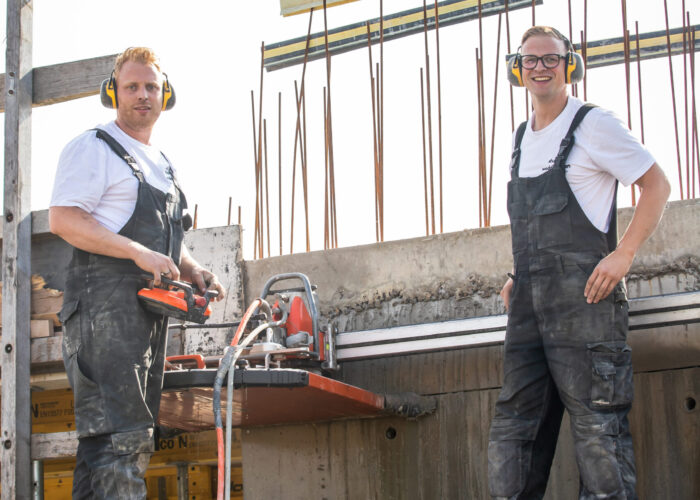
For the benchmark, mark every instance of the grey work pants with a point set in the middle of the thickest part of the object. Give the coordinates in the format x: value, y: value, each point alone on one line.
x: 561, y: 352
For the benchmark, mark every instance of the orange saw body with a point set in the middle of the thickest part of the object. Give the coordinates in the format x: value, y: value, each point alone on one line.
x: 180, y: 302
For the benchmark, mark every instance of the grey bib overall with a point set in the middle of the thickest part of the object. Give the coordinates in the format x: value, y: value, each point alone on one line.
x: 560, y: 352
x: 114, y: 350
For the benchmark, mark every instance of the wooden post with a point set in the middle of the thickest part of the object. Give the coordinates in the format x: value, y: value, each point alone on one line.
x: 16, y: 252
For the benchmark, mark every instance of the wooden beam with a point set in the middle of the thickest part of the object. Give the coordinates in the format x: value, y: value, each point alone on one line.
x: 66, y: 81
x: 408, y: 22
x: 54, y: 445
x: 15, y: 476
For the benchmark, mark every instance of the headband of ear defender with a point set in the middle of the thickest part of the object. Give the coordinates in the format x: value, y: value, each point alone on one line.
x: 108, y: 93
x: 573, y: 71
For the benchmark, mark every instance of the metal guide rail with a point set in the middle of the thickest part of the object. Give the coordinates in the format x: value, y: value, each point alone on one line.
x: 644, y: 313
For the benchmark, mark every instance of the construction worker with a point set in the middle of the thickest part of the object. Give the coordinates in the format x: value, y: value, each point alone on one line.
x: 567, y: 307
x: 117, y: 202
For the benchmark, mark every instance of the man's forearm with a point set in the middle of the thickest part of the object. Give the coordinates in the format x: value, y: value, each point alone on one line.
x: 655, y: 190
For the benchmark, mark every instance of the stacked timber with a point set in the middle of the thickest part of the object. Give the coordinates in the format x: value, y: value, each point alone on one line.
x: 46, y: 304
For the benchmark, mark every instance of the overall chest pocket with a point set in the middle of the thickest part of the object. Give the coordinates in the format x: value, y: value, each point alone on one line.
x: 553, y: 220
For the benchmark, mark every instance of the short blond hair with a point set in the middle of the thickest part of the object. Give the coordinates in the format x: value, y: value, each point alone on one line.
x: 143, y: 55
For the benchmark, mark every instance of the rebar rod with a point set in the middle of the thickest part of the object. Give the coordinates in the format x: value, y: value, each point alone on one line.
x: 493, y: 124
x: 228, y: 220
x: 267, y: 192
x: 439, y: 96
x: 685, y: 101
x: 381, y: 120
x: 430, y: 123
x: 297, y: 130
x: 374, y: 136
x: 260, y: 140
x: 673, y: 97
x: 510, y: 87
x: 304, y: 172
x: 279, y: 163
x: 326, y: 218
x: 257, y: 179
x: 425, y: 162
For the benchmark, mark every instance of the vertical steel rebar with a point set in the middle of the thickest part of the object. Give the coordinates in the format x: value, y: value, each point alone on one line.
x: 574, y: 87
x: 304, y: 172
x: 381, y: 120
x: 326, y: 218
x: 257, y: 179
x: 510, y: 87
x: 196, y: 213
x: 228, y: 220
x: 267, y: 185
x: 480, y: 131
x: 260, y: 120
x: 685, y: 103
x: 430, y: 123
x: 533, y: 22
x: 694, y: 135
x: 439, y: 96
x: 493, y: 124
x: 425, y: 163
x: 279, y: 163
x: 673, y: 97
x: 641, y: 105
x: 375, y: 143
x: 330, y: 128
x: 297, y: 130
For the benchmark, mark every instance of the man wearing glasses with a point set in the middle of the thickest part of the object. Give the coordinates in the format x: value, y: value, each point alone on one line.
x: 565, y: 341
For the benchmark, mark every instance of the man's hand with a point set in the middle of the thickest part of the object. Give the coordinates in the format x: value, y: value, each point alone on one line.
x: 606, y: 275
x: 505, y: 292
x: 205, y: 280
x: 155, y: 263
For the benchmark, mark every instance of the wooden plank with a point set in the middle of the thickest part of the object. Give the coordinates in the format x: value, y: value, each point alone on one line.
x: 53, y: 445
x: 66, y: 81
x: 41, y: 328
x: 46, y: 351
x: 354, y: 36
x: 16, y: 254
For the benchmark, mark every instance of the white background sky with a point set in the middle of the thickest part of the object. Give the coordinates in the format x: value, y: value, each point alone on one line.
x: 211, y: 52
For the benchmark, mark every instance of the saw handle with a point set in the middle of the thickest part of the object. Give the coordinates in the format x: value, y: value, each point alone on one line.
x: 190, y: 296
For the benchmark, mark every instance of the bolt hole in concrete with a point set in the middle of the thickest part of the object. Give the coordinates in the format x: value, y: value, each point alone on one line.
x: 690, y: 404
x: 390, y: 433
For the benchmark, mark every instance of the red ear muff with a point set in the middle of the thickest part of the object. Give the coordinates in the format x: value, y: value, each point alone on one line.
x: 514, y: 70
x: 574, y: 67
x: 108, y: 92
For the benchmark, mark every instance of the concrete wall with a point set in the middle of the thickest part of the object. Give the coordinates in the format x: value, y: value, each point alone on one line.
x: 458, y: 275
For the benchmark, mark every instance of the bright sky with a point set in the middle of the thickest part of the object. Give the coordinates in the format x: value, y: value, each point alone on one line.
x: 211, y: 52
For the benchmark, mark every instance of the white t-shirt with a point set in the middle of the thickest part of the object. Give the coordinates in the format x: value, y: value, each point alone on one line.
x: 91, y: 176
x: 604, y: 150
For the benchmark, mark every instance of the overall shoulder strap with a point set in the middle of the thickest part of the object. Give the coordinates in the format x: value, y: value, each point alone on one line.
x: 515, y: 157
x: 120, y: 152
x: 568, y: 141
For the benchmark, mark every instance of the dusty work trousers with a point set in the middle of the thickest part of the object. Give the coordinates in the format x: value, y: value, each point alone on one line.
x: 561, y: 352
x: 114, y: 354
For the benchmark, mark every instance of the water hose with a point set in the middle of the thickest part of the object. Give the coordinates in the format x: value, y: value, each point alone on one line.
x: 229, y: 360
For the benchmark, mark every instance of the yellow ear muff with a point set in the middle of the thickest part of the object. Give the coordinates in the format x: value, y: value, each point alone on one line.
x: 514, y: 71
x: 574, y: 68
x: 108, y: 93
x: 168, y: 95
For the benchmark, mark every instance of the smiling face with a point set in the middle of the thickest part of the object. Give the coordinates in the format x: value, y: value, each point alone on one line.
x: 543, y: 83
x: 140, y: 97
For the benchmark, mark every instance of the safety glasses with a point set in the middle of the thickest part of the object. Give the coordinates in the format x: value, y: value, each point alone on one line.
x: 549, y: 61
